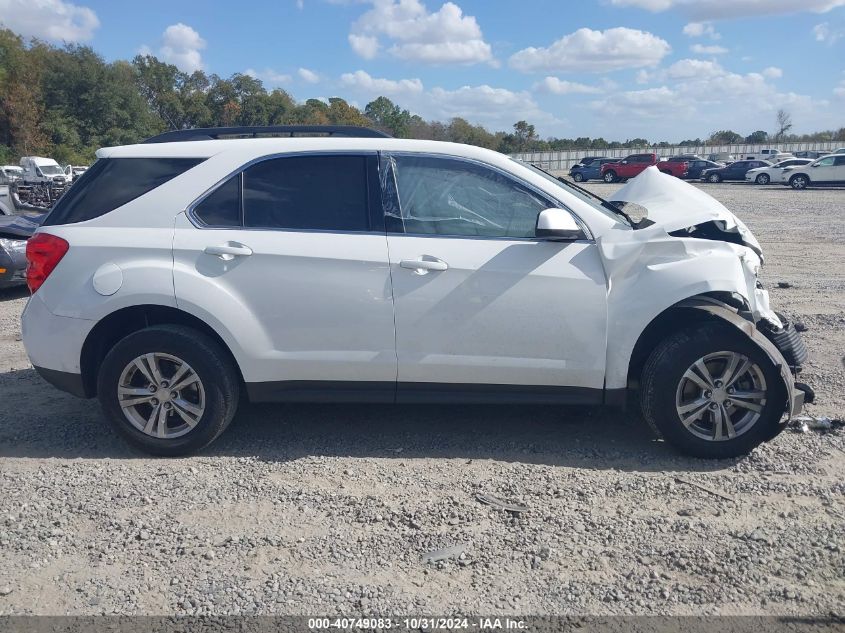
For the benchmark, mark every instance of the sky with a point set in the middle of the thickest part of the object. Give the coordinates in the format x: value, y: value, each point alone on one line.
x: 617, y: 69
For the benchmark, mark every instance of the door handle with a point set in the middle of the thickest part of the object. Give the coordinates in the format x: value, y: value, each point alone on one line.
x: 228, y: 251
x: 424, y: 264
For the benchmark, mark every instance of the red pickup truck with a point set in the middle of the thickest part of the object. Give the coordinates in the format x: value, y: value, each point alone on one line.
x: 634, y: 164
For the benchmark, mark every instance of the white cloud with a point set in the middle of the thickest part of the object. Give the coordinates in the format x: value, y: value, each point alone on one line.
x: 700, y: 49
x: 772, y: 72
x: 49, y: 19
x: 825, y: 34
x: 443, y: 37
x: 700, y: 29
x: 556, y: 86
x: 839, y: 91
x: 269, y: 77
x: 720, y: 9
x: 364, y: 82
x: 308, y: 76
x: 181, y: 45
x: 587, y: 50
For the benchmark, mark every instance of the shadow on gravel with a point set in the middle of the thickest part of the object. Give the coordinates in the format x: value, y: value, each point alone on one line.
x: 16, y: 292
x: 38, y: 421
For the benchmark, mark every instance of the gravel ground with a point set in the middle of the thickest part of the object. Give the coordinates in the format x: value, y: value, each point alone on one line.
x: 315, y: 509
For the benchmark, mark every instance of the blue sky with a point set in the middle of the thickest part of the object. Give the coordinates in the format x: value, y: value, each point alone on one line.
x: 661, y: 69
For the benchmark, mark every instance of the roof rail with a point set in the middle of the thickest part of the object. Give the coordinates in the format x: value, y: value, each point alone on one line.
x: 210, y: 133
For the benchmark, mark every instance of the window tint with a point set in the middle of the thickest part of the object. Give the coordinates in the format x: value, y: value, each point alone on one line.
x: 307, y: 192
x: 840, y: 161
x: 441, y: 196
x: 112, y: 182
x: 222, y: 207
x: 826, y: 162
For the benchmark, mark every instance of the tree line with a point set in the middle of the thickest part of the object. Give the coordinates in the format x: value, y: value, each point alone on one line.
x: 67, y: 101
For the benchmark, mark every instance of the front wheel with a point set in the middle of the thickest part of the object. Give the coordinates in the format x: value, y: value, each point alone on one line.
x: 578, y: 177
x: 799, y: 181
x: 763, y: 179
x: 714, y: 178
x: 168, y: 389
x: 711, y: 392
x: 609, y: 176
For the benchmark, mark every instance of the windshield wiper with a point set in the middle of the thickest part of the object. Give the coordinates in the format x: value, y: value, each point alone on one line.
x: 604, y: 203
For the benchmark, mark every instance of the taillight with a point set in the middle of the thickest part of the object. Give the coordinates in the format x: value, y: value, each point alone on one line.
x: 43, y: 254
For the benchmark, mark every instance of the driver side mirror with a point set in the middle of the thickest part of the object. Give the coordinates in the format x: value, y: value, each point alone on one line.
x: 558, y: 225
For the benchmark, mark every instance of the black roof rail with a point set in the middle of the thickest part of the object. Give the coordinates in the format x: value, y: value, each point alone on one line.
x: 210, y: 133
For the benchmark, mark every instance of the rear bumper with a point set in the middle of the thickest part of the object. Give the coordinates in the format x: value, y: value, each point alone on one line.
x: 53, y: 343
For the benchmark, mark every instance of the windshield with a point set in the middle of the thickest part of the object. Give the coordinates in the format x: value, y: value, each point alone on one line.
x: 599, y: 204
x: 50, y: 170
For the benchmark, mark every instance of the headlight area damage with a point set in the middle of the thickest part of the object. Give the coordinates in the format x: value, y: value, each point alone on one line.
x: 689, y: 253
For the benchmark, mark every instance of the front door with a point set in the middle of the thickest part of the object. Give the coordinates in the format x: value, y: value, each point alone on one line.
x: 288, y: 258
x: 483, y: 307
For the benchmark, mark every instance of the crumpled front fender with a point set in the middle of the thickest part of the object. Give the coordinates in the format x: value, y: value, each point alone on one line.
x: 795, y: 397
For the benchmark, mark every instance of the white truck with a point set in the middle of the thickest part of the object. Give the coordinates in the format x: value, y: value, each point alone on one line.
x: 37, y: 169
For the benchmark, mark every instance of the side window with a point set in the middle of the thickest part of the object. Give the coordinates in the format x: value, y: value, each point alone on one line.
x: 222, y: 207
x: 442, y: 196
x: 826, y: 162
x: 840, y: 161
x: 307, y: 192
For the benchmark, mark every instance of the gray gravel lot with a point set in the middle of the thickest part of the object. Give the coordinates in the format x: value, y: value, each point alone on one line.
x: 314, y: 509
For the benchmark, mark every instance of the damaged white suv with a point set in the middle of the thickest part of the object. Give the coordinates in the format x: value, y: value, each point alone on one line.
x: 181, y: 275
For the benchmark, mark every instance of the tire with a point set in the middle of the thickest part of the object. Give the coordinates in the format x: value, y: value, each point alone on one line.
x: 193, y: 416
x: 799, y: 181
x: 714, y: 178
x: 578, y: 177
x: 666, y: 393
x: 763, y: 179
x: 609, y: 176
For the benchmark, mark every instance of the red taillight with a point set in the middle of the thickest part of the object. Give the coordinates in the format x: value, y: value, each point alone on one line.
x: 43, y: 254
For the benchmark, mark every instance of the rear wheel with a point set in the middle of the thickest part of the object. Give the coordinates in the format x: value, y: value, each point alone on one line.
x: 711, y: 392
x: 609, y: 176
x: 714, y: 178
x: 799, y: 181
x: 763, y: 179
x: 168, y: 389
x: 578, y: 177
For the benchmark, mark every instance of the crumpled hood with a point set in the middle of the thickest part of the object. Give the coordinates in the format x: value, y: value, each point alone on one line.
x: 674, y: 204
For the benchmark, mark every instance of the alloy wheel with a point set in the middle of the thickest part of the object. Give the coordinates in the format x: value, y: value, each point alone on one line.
x: 161, y: 395
x: 721, y: 396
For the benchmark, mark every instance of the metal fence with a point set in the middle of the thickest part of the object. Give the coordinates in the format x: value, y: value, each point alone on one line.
x: 561, y: 161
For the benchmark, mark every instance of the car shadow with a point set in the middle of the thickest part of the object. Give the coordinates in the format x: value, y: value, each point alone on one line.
x: 38, y: 421
x: 15, y: 292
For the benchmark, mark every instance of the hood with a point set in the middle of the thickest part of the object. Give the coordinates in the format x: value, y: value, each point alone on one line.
x: 20, y: 226
x: 675, y: 205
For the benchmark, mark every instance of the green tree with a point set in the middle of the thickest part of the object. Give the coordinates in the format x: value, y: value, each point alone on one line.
x: 725, y: 137
x: 757, y: 137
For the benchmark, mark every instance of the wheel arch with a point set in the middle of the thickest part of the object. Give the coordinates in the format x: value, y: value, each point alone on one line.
x: 120, y: 323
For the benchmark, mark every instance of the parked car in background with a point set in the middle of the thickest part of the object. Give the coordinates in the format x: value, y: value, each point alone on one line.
x: 37, y: 169
x: 10, y: 174
x: 15, y: 230
x: 841, y: 150
x: 583, y: 173
x: 185, y: 273
x: 733, y: 171
x: 589, y: 159
x: 808, y: 153
x: 635, y: 164
x: 721, y: 157
x: 695, y: 167
x: 773, y: 173
x: 828, y: 170
x: 74, y: 171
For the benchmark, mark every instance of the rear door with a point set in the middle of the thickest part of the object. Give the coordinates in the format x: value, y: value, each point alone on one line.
x: 483, y: 308
x: 289, y: 257
x: 839, y: 169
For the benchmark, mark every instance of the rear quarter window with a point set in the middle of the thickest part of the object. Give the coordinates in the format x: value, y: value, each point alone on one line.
x: 112, y: 182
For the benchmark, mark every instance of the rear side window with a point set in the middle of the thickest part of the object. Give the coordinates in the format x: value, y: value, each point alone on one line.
x: 112, y: 182
x: 222, y: 207
x: 307, y: 192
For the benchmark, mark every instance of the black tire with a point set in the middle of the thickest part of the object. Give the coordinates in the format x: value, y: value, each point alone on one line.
x: 799, y: 182
x: 664, y: 372
x: 714, y: 178
x: 609, y: 176
x: 763, y: 179
x: 209, y: 362
x: 578, y: 177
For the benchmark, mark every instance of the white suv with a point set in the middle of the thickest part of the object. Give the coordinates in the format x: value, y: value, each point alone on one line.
x: 185, y: 273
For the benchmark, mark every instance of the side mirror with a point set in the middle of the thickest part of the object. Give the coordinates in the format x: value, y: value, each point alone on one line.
x: 558, y: 225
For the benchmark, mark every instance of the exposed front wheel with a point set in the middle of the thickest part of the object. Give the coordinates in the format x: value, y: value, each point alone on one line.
x: 714, y: 178
x: 578, y: 177
x: 799, y: 182
x: 168, y: 389
x: 609, y: 176
x: 763, y: 179
x: 711, y: 392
